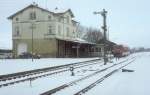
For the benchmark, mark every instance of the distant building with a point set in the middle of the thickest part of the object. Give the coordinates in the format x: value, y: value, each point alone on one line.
x: 5, y: 53
x: 49, y: 34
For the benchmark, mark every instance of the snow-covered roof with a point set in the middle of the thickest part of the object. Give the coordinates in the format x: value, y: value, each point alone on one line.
x: 58, y: 10
x: 76, y: 40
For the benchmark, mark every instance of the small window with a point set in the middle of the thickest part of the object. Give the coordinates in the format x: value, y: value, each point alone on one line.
x: 17, y: 19
x: 68, y: 19
x: 73, y: 33
x: 59, y: 19
x: 67, y: 31
x: 99, y: 49
x: 49, y: 29
x: 92, y: 49
x: 59, y: 29
x: 49, y: 17
x: 17, y: 32
x: 96, y: 49
x: 32, y: 16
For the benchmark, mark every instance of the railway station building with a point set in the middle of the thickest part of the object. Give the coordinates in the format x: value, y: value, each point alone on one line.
x: 47, y: 33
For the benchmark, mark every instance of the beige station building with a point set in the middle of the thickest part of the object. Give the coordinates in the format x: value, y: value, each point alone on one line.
x: 47, y: 33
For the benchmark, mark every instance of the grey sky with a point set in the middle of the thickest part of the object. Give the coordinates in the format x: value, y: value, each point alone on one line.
x: 128, y: 20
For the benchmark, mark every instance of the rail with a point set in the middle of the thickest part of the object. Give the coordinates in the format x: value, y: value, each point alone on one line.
x: 52, y: 91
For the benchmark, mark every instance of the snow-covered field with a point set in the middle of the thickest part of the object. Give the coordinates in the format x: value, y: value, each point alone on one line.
x: 121, y: 83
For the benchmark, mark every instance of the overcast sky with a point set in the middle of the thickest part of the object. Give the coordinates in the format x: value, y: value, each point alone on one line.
x: 128, y: 20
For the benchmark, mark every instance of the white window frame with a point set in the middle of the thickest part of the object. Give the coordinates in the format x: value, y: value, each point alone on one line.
x: 17, y: 31
x: 68, y: 19
x: 32, y: 15
x: 68, y: 30
x: 59, y: 29
x: 49, y: 17
x: 50, y: 29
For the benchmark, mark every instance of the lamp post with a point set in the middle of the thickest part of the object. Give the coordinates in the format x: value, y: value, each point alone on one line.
x: 104, y: 27
x: 32, y: 41
x: 32, y: 17
x: 32, y: 29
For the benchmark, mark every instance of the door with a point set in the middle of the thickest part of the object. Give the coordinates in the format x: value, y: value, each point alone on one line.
x: 22, y: 47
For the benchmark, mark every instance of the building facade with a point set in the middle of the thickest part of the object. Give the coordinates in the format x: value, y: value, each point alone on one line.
x: 50, y: 34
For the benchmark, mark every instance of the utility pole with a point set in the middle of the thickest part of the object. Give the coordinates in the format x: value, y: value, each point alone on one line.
x: 104, y: 27
x: 32, y: 27
x: 33, y: 17
x: 32, y: 30
x: 32, y: 40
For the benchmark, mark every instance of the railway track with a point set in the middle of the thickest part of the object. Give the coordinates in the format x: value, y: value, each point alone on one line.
x: 52, y: 91
x: 49, y: 71
x: 38, y: 71
x: 86, y: 89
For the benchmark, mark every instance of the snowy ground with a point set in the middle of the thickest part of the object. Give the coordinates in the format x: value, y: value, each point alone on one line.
x: 8, y: 66
x: 135, y: 83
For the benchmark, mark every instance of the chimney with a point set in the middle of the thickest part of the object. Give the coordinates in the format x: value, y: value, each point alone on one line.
x: 56, y: 8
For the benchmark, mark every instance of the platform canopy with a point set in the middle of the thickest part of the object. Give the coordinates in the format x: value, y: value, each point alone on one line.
x: 76, y: 40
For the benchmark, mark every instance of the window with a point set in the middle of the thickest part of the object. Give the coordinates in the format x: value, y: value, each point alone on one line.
x: 17, y: 32
x: 49, y: 17
x: 59, y: 29
x: 73, y: 33
x: 92, y: 49
x: 17, y: 19
x: 68, y: 19
x: 96, y: 49
x: 100, y: 50
x: 59, y: 19
x: 67, y: 31
x: 49, y: 29
x: 32, y: 16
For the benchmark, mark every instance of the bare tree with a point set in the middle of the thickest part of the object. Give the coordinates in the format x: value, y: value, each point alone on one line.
x: 81, y: 31
x: 93, y: 35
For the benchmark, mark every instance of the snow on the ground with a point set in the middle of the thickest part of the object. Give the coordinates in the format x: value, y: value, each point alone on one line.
x: 43, y: 84
x: 8, y: 66
x: 127, y: 83
x: 46, y: 83
x: 135, y: 83
x: 79, y: 86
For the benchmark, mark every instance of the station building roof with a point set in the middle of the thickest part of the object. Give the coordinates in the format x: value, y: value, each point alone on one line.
x: 76, y: 40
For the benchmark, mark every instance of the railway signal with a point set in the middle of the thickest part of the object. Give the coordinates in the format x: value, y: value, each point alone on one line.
x: 104, y: 27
